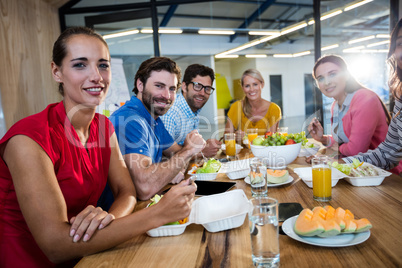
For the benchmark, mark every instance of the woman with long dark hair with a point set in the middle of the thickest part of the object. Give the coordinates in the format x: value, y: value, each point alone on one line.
x: 389, y: 153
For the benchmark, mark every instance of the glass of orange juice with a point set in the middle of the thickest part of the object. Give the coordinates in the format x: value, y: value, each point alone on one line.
x: 322, y: 178
x: 283, y: 130
x: 230, y: 144
x: 252, y: 133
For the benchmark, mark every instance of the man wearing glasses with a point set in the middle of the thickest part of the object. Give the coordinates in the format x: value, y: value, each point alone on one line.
x: 183, y: 116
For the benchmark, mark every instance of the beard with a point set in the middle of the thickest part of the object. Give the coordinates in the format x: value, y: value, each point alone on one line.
x: 194, y: 106
x: 148, y: 99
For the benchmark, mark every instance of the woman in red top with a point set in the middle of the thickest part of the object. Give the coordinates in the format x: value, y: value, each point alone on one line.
x: 55, y: 164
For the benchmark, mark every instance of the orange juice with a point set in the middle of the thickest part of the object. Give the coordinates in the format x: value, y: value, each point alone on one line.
x: 230, y: 147
x: 322, y: 183
x: 251, y: 137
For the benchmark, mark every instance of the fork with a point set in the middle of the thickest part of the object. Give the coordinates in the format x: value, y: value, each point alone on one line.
x: 205, y: 159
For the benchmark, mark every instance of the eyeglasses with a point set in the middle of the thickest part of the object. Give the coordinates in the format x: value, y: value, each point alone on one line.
x: 198, y: 87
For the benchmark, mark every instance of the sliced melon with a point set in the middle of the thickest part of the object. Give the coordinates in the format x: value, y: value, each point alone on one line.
x: 277, y: 175
x: 319, y: 213
x: 339, y: 216
x: 349, y: 215
x: 331, y: 228
x: 350, y: 226
x: 327, y: 221
x: 305, y: 226
x: 362, y: 225
x: 256, y: 177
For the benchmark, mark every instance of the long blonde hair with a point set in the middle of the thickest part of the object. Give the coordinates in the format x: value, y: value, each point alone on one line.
x: 257, y: 75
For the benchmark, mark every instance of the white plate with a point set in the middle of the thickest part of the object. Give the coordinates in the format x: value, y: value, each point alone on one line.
x: 289, y: 180
x: 341, y: 240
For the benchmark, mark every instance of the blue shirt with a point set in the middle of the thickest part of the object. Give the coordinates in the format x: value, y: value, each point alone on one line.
x: 138, y: 132
x: 180, y: 119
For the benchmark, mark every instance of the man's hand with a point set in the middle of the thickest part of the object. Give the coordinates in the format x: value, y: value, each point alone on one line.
x: 179, y: 177
x: 194, y: 142
x: 211, y: 148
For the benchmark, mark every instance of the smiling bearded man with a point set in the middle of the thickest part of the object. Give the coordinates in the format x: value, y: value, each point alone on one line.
x: 142, y: 136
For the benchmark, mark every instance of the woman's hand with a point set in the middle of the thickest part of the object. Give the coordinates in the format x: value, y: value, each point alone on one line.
x: 88, y: 221
x: 177, y: 201
x: 316, y: 130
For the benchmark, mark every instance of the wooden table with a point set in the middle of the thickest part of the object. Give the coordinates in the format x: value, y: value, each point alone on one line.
x: 196, y: 247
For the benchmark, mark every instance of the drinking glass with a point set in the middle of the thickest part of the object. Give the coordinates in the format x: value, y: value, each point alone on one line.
x: 252, y: 133
x: 258, y: 178
x: 230, y: 144
x: 283, y: 130
x: 263, y: 223
x: 322, y: 178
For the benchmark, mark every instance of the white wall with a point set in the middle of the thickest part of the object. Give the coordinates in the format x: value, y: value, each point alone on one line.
x: 292, y: 71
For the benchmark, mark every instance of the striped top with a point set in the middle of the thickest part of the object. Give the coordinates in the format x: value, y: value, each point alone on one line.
x: 388, y: 154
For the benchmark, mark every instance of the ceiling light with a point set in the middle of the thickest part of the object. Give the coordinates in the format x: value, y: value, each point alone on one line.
x: 371, y: 51
x: 264, y: 39
x: 311, y: 22
x: 225, y: 32
x: 283, y: 55
x: 304, y: 53
x: 383, y: 50
x: 361, y: 39
x: 264, y: 33
x: 107, y: 36
x: 352, y: 6
x: 162, y: 30
x: 330, y: 14
x: 247, y: 45
x: 147, y: 30
x: 353, y: 49
x: 170, y: 31
x: 224, y: 56
x: 329, y: 47
x: 378, y: 43
x: 256, y: 56
x: 293, y: 28
x: 386, y: 36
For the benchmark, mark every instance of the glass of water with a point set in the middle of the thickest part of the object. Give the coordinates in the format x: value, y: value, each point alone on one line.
x: 258, y: 178
x: 263, y: 223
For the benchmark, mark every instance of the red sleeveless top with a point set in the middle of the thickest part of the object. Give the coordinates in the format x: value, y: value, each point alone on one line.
x: 81, y: 175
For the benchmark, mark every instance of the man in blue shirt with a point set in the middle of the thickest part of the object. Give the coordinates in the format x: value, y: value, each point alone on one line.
x: 183, y: 116
x: 143, y: 139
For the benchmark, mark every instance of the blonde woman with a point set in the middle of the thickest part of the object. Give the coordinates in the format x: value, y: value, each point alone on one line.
x: 253, y: 111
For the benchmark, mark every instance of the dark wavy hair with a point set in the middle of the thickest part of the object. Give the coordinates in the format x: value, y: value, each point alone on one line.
x: 352, y: 84
x: 60, y: 46
x: 156, y: 64
x: 197, y: 69
x: 395, y: 73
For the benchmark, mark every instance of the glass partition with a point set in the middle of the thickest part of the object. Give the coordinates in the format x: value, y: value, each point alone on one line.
x: 277, y: 38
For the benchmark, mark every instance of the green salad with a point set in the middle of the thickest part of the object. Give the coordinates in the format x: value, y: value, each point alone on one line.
x: 211, y: 166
